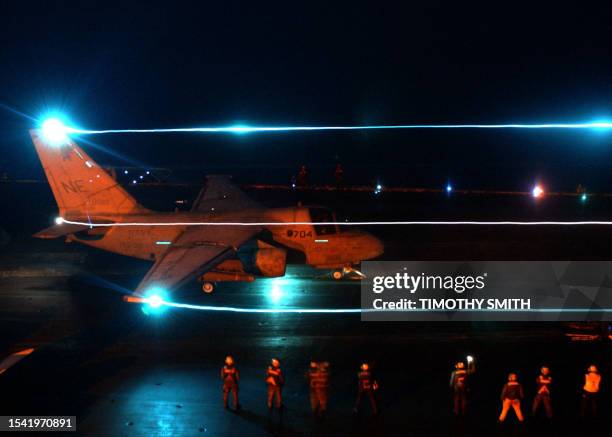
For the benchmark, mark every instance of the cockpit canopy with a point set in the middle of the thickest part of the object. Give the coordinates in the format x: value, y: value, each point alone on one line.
x: 323, y: 215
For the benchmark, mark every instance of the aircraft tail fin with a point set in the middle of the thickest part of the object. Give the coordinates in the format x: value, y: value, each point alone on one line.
x: 80, y: 186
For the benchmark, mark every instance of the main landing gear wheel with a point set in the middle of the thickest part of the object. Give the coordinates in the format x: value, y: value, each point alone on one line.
x: 337, y: 274
x: 208, y: 287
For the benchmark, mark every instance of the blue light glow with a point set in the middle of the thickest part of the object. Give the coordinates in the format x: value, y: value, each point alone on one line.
x: 449, y: 188
x: 583, y: 197
x: 243, y: 129
x: 156, y: 301
x: 54, y: 132
x: 165, y: 303
x: 276, y: 293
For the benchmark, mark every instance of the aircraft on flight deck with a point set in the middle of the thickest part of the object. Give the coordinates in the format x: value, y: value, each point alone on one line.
x: 85, y: 193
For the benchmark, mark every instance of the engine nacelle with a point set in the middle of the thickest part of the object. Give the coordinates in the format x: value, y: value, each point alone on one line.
x: 271, y: 262
x: 265, y: 260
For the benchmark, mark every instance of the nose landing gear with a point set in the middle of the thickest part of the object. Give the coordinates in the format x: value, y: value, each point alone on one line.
x: 208, y: 287
x: 348, y: 272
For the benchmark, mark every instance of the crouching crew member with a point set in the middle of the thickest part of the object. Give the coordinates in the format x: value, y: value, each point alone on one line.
x: 543, y: 382
x: 275, y: 381
x: 590, y: 392
x: 230, y: 377
x: 511, y: 396
x: 318, y: 380
x: 367, y: 386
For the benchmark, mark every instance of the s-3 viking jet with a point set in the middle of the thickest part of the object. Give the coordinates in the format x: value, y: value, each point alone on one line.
x: 85, y: 193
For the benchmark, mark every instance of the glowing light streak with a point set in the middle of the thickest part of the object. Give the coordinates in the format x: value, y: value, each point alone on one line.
x: 360, y: 223
x: 229, y: 309
x: 253, y: 129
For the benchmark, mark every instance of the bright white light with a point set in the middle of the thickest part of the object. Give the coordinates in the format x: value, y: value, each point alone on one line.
x: 59, y: 220
x: 54, y: 132
x: 469, y: 358
x: 537, y: 191
x: 276, y: 293
x: 125, y: 172
x: 155, y: 301
x: 449, y: 188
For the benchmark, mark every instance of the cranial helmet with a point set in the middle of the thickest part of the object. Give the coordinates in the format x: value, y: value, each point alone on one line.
x: 460, y: 365
x: 545, y: 370
x: 365, y: 366
x: 592, y: 368
x: 512, y: 377
x: 229, y: 360
x: 275, y: 362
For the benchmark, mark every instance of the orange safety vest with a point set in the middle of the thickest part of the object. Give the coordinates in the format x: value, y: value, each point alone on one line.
x: 229, y: 374
x: 544, y: 384
x: 591, y: 382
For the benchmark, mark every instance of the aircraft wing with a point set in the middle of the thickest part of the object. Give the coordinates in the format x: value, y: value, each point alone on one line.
x: 57, y: 231
x: 196, y: 250
x: 221, y: 195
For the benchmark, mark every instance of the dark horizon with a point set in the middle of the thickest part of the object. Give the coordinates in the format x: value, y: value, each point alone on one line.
x: 145, y: 65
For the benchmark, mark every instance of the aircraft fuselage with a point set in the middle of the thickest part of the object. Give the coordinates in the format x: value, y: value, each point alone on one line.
x: 323, y: 246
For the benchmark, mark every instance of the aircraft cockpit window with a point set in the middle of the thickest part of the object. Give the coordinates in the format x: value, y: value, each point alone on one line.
x: 319, y: 215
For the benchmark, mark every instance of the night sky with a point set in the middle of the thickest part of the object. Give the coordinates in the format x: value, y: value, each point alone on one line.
x: 172, y: 64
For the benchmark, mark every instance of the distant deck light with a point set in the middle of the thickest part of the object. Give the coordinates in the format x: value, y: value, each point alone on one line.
x: 537, y: 191
x: 59, y: 220
x: 378, y: 189
x: 449, y: 188
x: 583, y: 197
x: 125, y: 172
x: 54, y: 132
